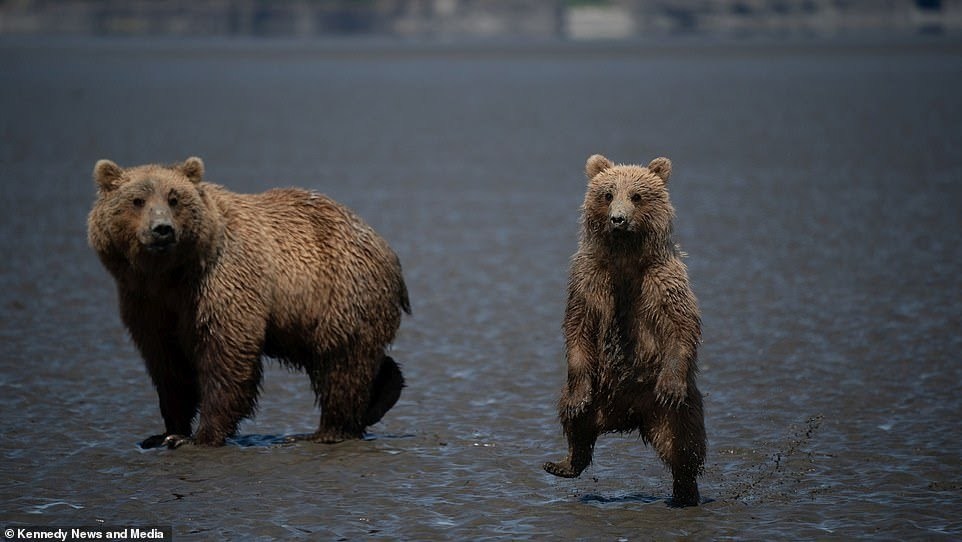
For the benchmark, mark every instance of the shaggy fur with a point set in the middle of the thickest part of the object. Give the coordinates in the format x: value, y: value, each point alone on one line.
x: 631, y: 327
x: 210, y: 281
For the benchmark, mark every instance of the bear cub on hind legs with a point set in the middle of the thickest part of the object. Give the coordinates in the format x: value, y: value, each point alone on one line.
x: 631, y: 328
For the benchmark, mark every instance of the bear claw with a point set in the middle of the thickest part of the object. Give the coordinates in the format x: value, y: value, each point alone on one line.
x: 671, y: 392
x: 165, y: 441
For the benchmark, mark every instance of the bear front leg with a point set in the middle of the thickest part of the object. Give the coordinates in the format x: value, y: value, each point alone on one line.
x: 176, y: 385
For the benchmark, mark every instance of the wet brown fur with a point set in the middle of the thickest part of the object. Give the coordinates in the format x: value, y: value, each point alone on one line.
x: 632, y: 327
x: 287, y: 273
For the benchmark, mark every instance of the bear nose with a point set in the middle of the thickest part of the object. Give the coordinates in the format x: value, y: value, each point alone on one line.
x: 163, y: 232
x: 617, y: 220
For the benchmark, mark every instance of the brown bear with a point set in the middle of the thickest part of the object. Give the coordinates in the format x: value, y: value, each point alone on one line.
x: 631, y: 327
x: 209, y: 281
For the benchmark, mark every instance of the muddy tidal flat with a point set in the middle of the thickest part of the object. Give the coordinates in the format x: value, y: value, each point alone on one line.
x: 817, y: 185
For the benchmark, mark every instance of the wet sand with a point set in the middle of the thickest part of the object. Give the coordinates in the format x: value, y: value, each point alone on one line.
x: 817, y: 187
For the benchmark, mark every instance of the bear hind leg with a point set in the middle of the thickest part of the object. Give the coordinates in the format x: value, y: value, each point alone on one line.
x: 343, y: 384
x: 678, y: 435
x: 581, y: 432
x: 230, y: 392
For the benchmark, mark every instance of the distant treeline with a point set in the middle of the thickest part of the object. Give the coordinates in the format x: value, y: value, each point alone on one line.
x: 472, y: 18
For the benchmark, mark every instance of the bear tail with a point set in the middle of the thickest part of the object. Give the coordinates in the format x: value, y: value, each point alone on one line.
x: 385, y: 390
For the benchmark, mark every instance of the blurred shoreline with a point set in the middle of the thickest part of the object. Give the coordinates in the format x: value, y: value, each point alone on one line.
x: 448, y: 20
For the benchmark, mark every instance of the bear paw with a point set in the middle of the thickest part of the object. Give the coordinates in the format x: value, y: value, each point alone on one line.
x: 153, y: 441
x: 563, y: 469
x: 671, y: 390
x: 684, y: 494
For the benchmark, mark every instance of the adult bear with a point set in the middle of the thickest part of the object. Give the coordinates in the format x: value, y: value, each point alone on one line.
x: 209, y: 281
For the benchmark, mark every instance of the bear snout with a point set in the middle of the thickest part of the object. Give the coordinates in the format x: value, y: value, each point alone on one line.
x: 162, y: 235
x: 619, y: 215
x: 618, y: 221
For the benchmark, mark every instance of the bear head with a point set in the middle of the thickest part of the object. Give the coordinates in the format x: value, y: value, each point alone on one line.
x: 627, y: 201
x: 150, y: 217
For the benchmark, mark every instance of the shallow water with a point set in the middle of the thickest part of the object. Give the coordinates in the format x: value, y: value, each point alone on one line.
x: 817, y: 188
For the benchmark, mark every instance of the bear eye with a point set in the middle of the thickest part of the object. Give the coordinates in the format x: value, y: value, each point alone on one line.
x: 138, y: 202
x: 608, y: 196
x: 635, y: 198
x: 172, y: 200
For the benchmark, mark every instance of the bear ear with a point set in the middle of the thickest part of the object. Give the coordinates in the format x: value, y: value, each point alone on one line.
x: 596, y: 164
x: 193, y: 169
x: 107, y: 175
x: 661, y: 167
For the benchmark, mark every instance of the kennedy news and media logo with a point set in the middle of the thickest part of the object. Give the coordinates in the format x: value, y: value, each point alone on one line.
x: 87, y: 533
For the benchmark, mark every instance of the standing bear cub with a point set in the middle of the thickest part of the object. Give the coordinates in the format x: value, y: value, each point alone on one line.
x: 210, y: 281
x: 631, y: 327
